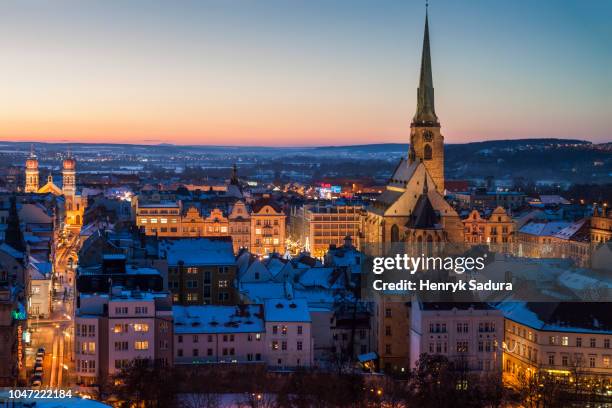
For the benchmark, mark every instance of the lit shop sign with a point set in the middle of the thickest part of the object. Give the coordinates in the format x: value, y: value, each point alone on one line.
x: 19, y: 315
x: 19, y: 347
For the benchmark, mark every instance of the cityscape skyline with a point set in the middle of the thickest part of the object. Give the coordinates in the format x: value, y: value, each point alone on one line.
x: 304, y: 74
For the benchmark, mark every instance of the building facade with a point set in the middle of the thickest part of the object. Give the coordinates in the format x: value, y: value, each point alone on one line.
x: 111, y: 330
x: 201, y: 271
x: 267, y: 227
x: 219, y: 334
x: 470, y: 335
x: 498, y: 228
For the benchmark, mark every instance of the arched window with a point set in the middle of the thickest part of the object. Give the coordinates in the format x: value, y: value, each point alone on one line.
x: 427, y: 152
x: 395, y: 233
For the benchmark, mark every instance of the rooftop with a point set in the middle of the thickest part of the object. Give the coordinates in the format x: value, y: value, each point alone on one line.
x: 283, y: 310
x: 198, y: 251
x: 218, y: 319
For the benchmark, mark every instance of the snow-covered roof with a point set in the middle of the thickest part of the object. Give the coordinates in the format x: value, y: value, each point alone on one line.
x: 197, y: 251
x: 11, y: 251
x: 284, y: 310
x: 560, y: 317
x: 321, y: 277
x: 553, y: 200
x: 218, y: 319
x: 544, y: 228
x: 569, y: 231
x: 257, y: 292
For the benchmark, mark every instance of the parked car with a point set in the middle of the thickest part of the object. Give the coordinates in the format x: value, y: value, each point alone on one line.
x: 36, y: 381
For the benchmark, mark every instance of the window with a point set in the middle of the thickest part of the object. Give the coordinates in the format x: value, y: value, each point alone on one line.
x: 387, y: 330
x: 121, y: 310
x: 388, y: 312
x: 552, y: 340
x: 223, y: 284
x: 120, y: 328
x: 119, y: 364
x: 195, y: 338
x: 564, y: 361
x: 427, y: 152
x: 564, y: 341
x: 209, y: 352
x: 141, y: 345
x: 593, y: 342
x: 606, y: 361
x: 274, y: 345
x: 284, y: 345
x: 274, y: 329
x: 284, y: 330
x: 578, y: 341
x: 140, y: 310
x: 195, y: 352
x: 387, y: 348
x: 551, y: 359
x: 121, y: 345
x: 299, y: 330
x: 606, y: 343
x: 462, y: 347
x: 299, y: 346
x: 179, y: 352
x: 192, y: 297
x: 180, y: 339
x: 592, y: 361
x: 141, y: 327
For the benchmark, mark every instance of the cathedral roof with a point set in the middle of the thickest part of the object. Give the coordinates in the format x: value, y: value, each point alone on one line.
x: 403, y: 173
x: 424, y: 216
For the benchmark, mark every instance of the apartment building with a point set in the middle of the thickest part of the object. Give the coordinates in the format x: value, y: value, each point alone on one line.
x: 319, y: 227
x: 469, y: 334
x: 557, y: 338
x: 391, y: 327
x: 267, y: 227
x: 497, y: 228
x: 113, y: 329
x: 159, y: 218
x: 201, y: 271
x: 219, y: 334
x: 240, y: 226
x: 288, y: 333
x: 173, y: 219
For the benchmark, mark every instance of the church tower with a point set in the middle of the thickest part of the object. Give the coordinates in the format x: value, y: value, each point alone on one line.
x: 31, y: 173
x: 426, y: 141
x: 69, y: 177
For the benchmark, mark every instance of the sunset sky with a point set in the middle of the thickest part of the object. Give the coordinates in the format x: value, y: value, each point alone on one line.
x: 301, y: 72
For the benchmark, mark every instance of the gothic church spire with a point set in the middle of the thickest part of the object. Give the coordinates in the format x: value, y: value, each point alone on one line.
x: 425, y: 113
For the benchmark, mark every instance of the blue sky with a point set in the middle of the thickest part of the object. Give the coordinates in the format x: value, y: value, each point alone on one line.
x: 301, y: 72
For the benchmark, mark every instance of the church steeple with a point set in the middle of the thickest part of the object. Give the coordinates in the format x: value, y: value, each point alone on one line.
x: 425, y: 112
x: 426, y: 141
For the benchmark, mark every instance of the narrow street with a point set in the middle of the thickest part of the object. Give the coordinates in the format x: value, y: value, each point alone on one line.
x: 56, y: 333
